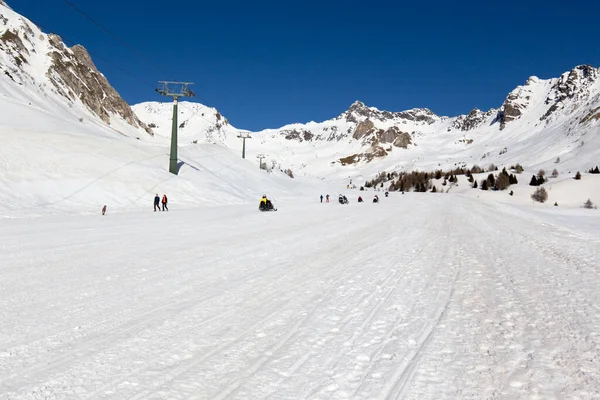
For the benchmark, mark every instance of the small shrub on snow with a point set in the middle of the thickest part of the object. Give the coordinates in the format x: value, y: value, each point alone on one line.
x: 541, y: 173
x: 289, y: 173
x: 578, y: 176
x: 434, y: 189
x: 517, y: 168
x: 491, y: 180
x: 588, y: 204
x: 540, y: 195
x: 555, y: 173
x: 511, y: 193
x: 503, y: 181
x: 536, y: 181
x: 475, y: 185
x: 476, y: 169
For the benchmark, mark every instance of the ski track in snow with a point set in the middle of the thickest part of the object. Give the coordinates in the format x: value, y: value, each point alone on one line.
x: 419, y: 297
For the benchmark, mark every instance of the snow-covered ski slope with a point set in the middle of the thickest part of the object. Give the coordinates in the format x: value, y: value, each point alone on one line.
x: 419, y: 297
x: 51, y: 163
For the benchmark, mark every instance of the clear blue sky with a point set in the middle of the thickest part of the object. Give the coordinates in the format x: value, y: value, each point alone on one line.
x: 267, y: 63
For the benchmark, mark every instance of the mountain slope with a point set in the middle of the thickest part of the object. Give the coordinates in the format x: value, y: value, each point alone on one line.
x: 38, y: 70
x: 538, y: 122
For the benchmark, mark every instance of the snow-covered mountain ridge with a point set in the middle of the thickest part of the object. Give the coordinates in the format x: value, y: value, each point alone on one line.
x: 538, y: 122
x: 40, y: 71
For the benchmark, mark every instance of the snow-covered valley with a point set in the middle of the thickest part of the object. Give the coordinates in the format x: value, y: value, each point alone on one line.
x: 459, y: 294
x: 419, y: 297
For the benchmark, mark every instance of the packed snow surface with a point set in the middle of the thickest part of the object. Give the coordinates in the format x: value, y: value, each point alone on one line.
x: 422, y: 296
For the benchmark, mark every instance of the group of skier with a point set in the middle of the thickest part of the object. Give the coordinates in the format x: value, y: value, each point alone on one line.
x: 344, y: 200
x: 158, y: 201
x: 264, y: 205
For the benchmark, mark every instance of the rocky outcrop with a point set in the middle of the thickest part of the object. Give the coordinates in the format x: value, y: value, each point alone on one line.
x: 32, y: 58
x: 472, y: 120
x: 363, y: 128
x: 395, y: 136
x: 402, y: 140
x: 300, y: 135
x: 75, y: 76
x: 358, y: 111
x: 418, y: 114
x: 573, y: 85
x: 511, y: 109
x: 368, y: 156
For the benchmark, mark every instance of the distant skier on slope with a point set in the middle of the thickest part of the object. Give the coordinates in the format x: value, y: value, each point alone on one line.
x: 104, y: 210
x: 321, y: 198
x: 265, y: 204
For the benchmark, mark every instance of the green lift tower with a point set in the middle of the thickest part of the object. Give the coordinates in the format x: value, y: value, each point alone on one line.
x: 174, y: 90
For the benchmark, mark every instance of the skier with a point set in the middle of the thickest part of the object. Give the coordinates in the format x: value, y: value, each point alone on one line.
x: 104, y: 210
x: 360, y: 199
x: 327, y: 199
x: 321, y: 198
x: 164, y: 203
x: 156, y: 202
x: 376, y: 199
x: 387, y: 193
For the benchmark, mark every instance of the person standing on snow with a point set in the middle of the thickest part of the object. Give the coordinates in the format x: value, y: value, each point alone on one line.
x: 164, y: 203
x: 327, y: 199
x: 321, y: 198
x: 104, y: 210
x: 156, y: 202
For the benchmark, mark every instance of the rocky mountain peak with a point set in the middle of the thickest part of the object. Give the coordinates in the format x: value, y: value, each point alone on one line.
x: 472, y: 120
x: 571, y: 88
x: 30, y: 57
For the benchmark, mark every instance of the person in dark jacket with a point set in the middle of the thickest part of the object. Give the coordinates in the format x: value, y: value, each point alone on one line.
x: 156, y: 202
x: 104, y: 210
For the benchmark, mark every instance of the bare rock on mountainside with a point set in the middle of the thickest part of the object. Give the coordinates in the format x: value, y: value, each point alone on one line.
x: 572, y: 85
x: 395, y: 136
x: 363, y: 128
x: 372, y: 153
x: 74, y: 69
x: 32, y: 58
x: 472, y: 120
x: 403, y: 140
x: 300, y: 135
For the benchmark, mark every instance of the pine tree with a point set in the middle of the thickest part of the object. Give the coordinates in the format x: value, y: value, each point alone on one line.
x: 484, y: 184
x: 534, y: 181
x: 540, y: 195
x: 578, y: 176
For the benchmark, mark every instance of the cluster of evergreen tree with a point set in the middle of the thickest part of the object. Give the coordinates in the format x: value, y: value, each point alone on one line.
x: 539, y: 179
x: 380, y: 179
x: 415, y: 180
x: 518, y: 168
x: 500, y: 182
x: 594, y: 170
